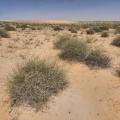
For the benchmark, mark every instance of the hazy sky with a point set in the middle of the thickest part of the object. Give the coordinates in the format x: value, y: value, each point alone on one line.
x: 60, y: 9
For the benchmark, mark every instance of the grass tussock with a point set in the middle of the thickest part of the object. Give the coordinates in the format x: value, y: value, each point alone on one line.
x: 118, y: 71
x: 34, y: 82
x: 79, y: 50
x: 98, y: 58
x: 90, y: 32
x: 73, y: 30
x: 10, y: 28
x: 62, y: 41
x: 116, y: 41
x: 4, y: 34
x: 75, y: 51
x: 104, y: 34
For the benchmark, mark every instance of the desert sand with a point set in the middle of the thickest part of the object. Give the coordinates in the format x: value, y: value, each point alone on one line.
x: 93, y: 94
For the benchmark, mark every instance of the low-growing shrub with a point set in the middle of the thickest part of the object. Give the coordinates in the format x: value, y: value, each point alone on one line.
x: 4, y: 34
x: 90, y: 32
x: 100, y: 28
x: 104, y: 34
x: 118, y: 71
x: 98, y: 58
x: 116, y: 41
x: 75, y: 50
x: 10, y: 28
x: 97, y: 29
x: 81, y: 51
x: 117, y: 30
x: 34, y: 82
x: 62, y: 41
x: 57, y: 28
x: 73, y: 30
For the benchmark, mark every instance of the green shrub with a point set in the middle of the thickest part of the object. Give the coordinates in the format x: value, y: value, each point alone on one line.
x: 90, y: 31
x: 104, y: 34
x: 116, y: 41
x: 4, y: 34
x: 34, y: 82
x: 98, y: 58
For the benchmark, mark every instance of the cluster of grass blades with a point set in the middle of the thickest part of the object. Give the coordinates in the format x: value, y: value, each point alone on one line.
x: 116, y: 42
x: 104, y: 34
x: 118, y: 71
x: 4, y: 34
x: 79, y: 50
x: 35, y: 82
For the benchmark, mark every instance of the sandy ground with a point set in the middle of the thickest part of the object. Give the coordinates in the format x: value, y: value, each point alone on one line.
x: 91, y: 95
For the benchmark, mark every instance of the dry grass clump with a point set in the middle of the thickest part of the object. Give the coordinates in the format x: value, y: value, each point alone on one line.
x: 98, y: 58
x: 10, y: 28
x: 34, y: 82
x: 75, y: 50
x: 116, y: 41
x: 117, y: 31
x: 79, y: 50
x: 72, y: 30
x: 100, y: 28
x: 58, y: 28
x: 118, y: 71
x: 104, y: 34
x: 4, y: 34
x: 62, y: 41
x: 90, y: 32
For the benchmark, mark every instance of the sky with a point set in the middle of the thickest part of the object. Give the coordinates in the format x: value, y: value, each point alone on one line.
x: 60, y: 9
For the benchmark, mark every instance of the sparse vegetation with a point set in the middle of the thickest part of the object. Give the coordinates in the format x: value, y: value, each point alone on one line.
x: 4, y: 34
x: 104, y: 34
x: 75, y: 50
x: 10, y: 28
x: 79, y: 50
x: 118, y: 71
x: 34, y: 82
x: 57, y: 28
x: 98, y: 58
x: 116, y: 41
x: 62, y: 41
x: 73, y: 30
x: 90, y: 31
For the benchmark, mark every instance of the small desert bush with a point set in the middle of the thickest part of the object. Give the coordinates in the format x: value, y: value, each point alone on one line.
x: 62, y: 41
x: 57, y: 28
x: 98, y: 58
x: 116, y: 41
x: 81, y: 51
x: 4, y: 34
x: 10, y: 28
x: 117, y: 31
x: 90, y: 32
x: 104, y: 34
x: 118, y: 71
x: 75, y: 50
x: 34, y: 82
x: 100, y: 28
x: 73, y: 30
